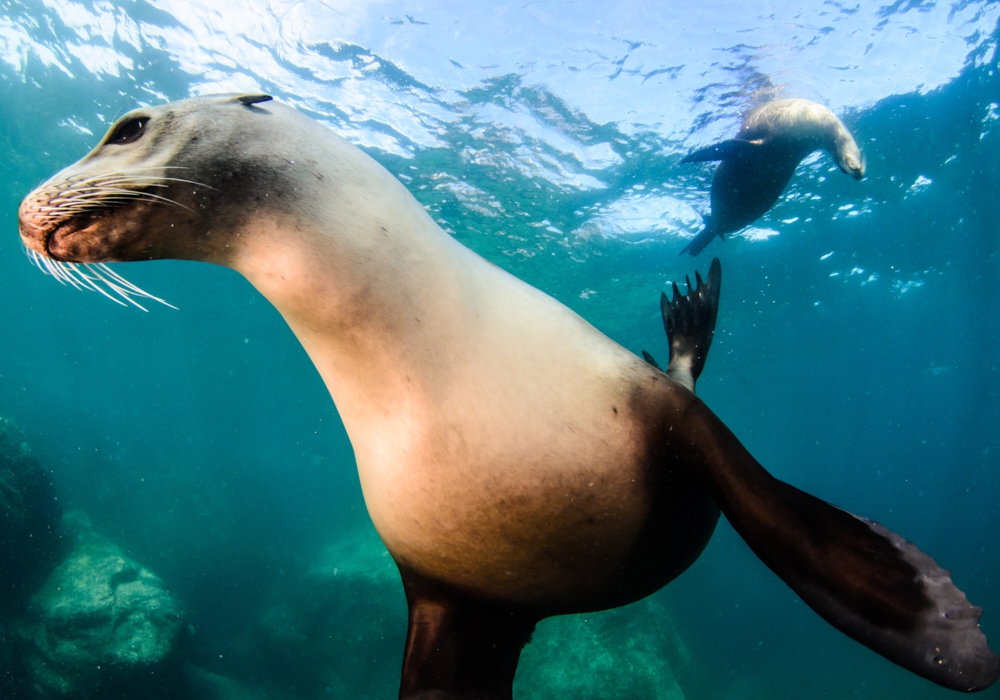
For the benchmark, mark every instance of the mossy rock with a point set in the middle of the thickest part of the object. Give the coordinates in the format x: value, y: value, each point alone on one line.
x: 631, y: 653
x: 339, y: 630
x: 100, y: 624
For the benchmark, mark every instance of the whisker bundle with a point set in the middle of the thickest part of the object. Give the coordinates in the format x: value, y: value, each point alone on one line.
x: 96, y: 277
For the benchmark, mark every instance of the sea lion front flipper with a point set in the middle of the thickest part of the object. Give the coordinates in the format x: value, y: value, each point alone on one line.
x: 723, y: 150
x: 651, y: 360
x: 865, y: 580
x: 458, y: 648
x: 689, y: 321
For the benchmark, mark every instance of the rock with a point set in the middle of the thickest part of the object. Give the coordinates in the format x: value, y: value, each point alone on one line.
x: 101, y: 623
x: 29, y: 520
x: 632, y: 652
x: 339, y: 631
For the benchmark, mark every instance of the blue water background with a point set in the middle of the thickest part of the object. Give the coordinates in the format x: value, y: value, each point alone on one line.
x: 856, y: 354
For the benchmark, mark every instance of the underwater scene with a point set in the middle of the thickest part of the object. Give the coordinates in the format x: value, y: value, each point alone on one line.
x: 182, y: 510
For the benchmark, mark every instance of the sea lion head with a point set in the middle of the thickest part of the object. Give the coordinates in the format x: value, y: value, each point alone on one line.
x: 847, y: 154
x: 156, y: 185
x: 800, y: 126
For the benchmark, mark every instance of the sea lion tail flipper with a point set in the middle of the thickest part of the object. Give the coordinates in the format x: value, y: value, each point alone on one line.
x: 724, y: 150
x: 702, y: 239
x: 689, y: 321
x: 862, y: 578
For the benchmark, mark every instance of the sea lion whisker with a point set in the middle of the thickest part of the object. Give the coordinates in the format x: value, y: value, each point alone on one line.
x: 54, y: 269
x: 45, y: 265
x: 62, y: 273
x: 77, y: 181
x: 86, y: 199
x: 190, y: 182
x: 79, y: 208
x: 103, y: 186
x: 101, y: 269
x: 134, y: 178
x: 92, y: 283
x: 126, y: 290
x: 96, y: 277
x: 165, y: 200
x: 35, y: 259
x: 75, y: 276
x: 129, y: 195
x: 123, y: 294
x: 79, y: 273
x: 159, y: 167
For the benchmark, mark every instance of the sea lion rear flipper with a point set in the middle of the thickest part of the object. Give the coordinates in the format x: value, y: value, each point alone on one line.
x: 724, y: 150
x: 865, y: 580
x: 689, y: 321
x: 458, y: 648
x: 701, y: 240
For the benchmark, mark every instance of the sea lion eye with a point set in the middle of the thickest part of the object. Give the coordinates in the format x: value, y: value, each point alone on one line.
x: 129, y: 131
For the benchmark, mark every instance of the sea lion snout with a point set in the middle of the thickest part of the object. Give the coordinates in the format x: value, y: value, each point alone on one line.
x: 33, y: 232
x: 850, y: 160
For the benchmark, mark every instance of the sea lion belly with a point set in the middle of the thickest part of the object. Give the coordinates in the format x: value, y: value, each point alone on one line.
x: 534, y: 475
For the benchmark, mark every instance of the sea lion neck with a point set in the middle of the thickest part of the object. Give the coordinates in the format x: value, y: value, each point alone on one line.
x: 379, y: 301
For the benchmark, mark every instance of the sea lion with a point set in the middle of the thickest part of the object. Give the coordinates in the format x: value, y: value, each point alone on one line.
x: 516, y: 462
x: 758, y: 163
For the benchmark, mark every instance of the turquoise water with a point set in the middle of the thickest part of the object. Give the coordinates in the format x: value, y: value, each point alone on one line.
x: 855, y: 356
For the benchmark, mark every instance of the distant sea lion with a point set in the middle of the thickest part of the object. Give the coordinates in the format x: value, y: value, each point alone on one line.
x: 516, y: 462
x: 759, y: 162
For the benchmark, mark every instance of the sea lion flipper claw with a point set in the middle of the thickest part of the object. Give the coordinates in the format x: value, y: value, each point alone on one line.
x: 689, y: 321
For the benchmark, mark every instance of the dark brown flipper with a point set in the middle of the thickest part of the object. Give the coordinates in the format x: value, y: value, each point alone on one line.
x: 689, y: 321
x: 730, y: 150
x: 651, y: 360
x: 724, y: 150
x: 704, y: 237
x: 458, y: 648
x: 865, y: 580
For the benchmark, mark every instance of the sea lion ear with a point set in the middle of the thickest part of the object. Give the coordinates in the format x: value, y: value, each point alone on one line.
x: 252, y: 99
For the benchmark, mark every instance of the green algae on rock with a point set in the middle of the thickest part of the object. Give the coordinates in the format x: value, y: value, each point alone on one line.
x: 338, y: 631
x: 632, y: 652
x: 102, y: 621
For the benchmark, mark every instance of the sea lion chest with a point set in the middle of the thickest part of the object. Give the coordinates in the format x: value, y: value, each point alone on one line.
x: 529, y: 465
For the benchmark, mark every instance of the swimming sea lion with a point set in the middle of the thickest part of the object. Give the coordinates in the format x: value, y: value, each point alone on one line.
x: 758, y: 163
x: 516, y: 462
